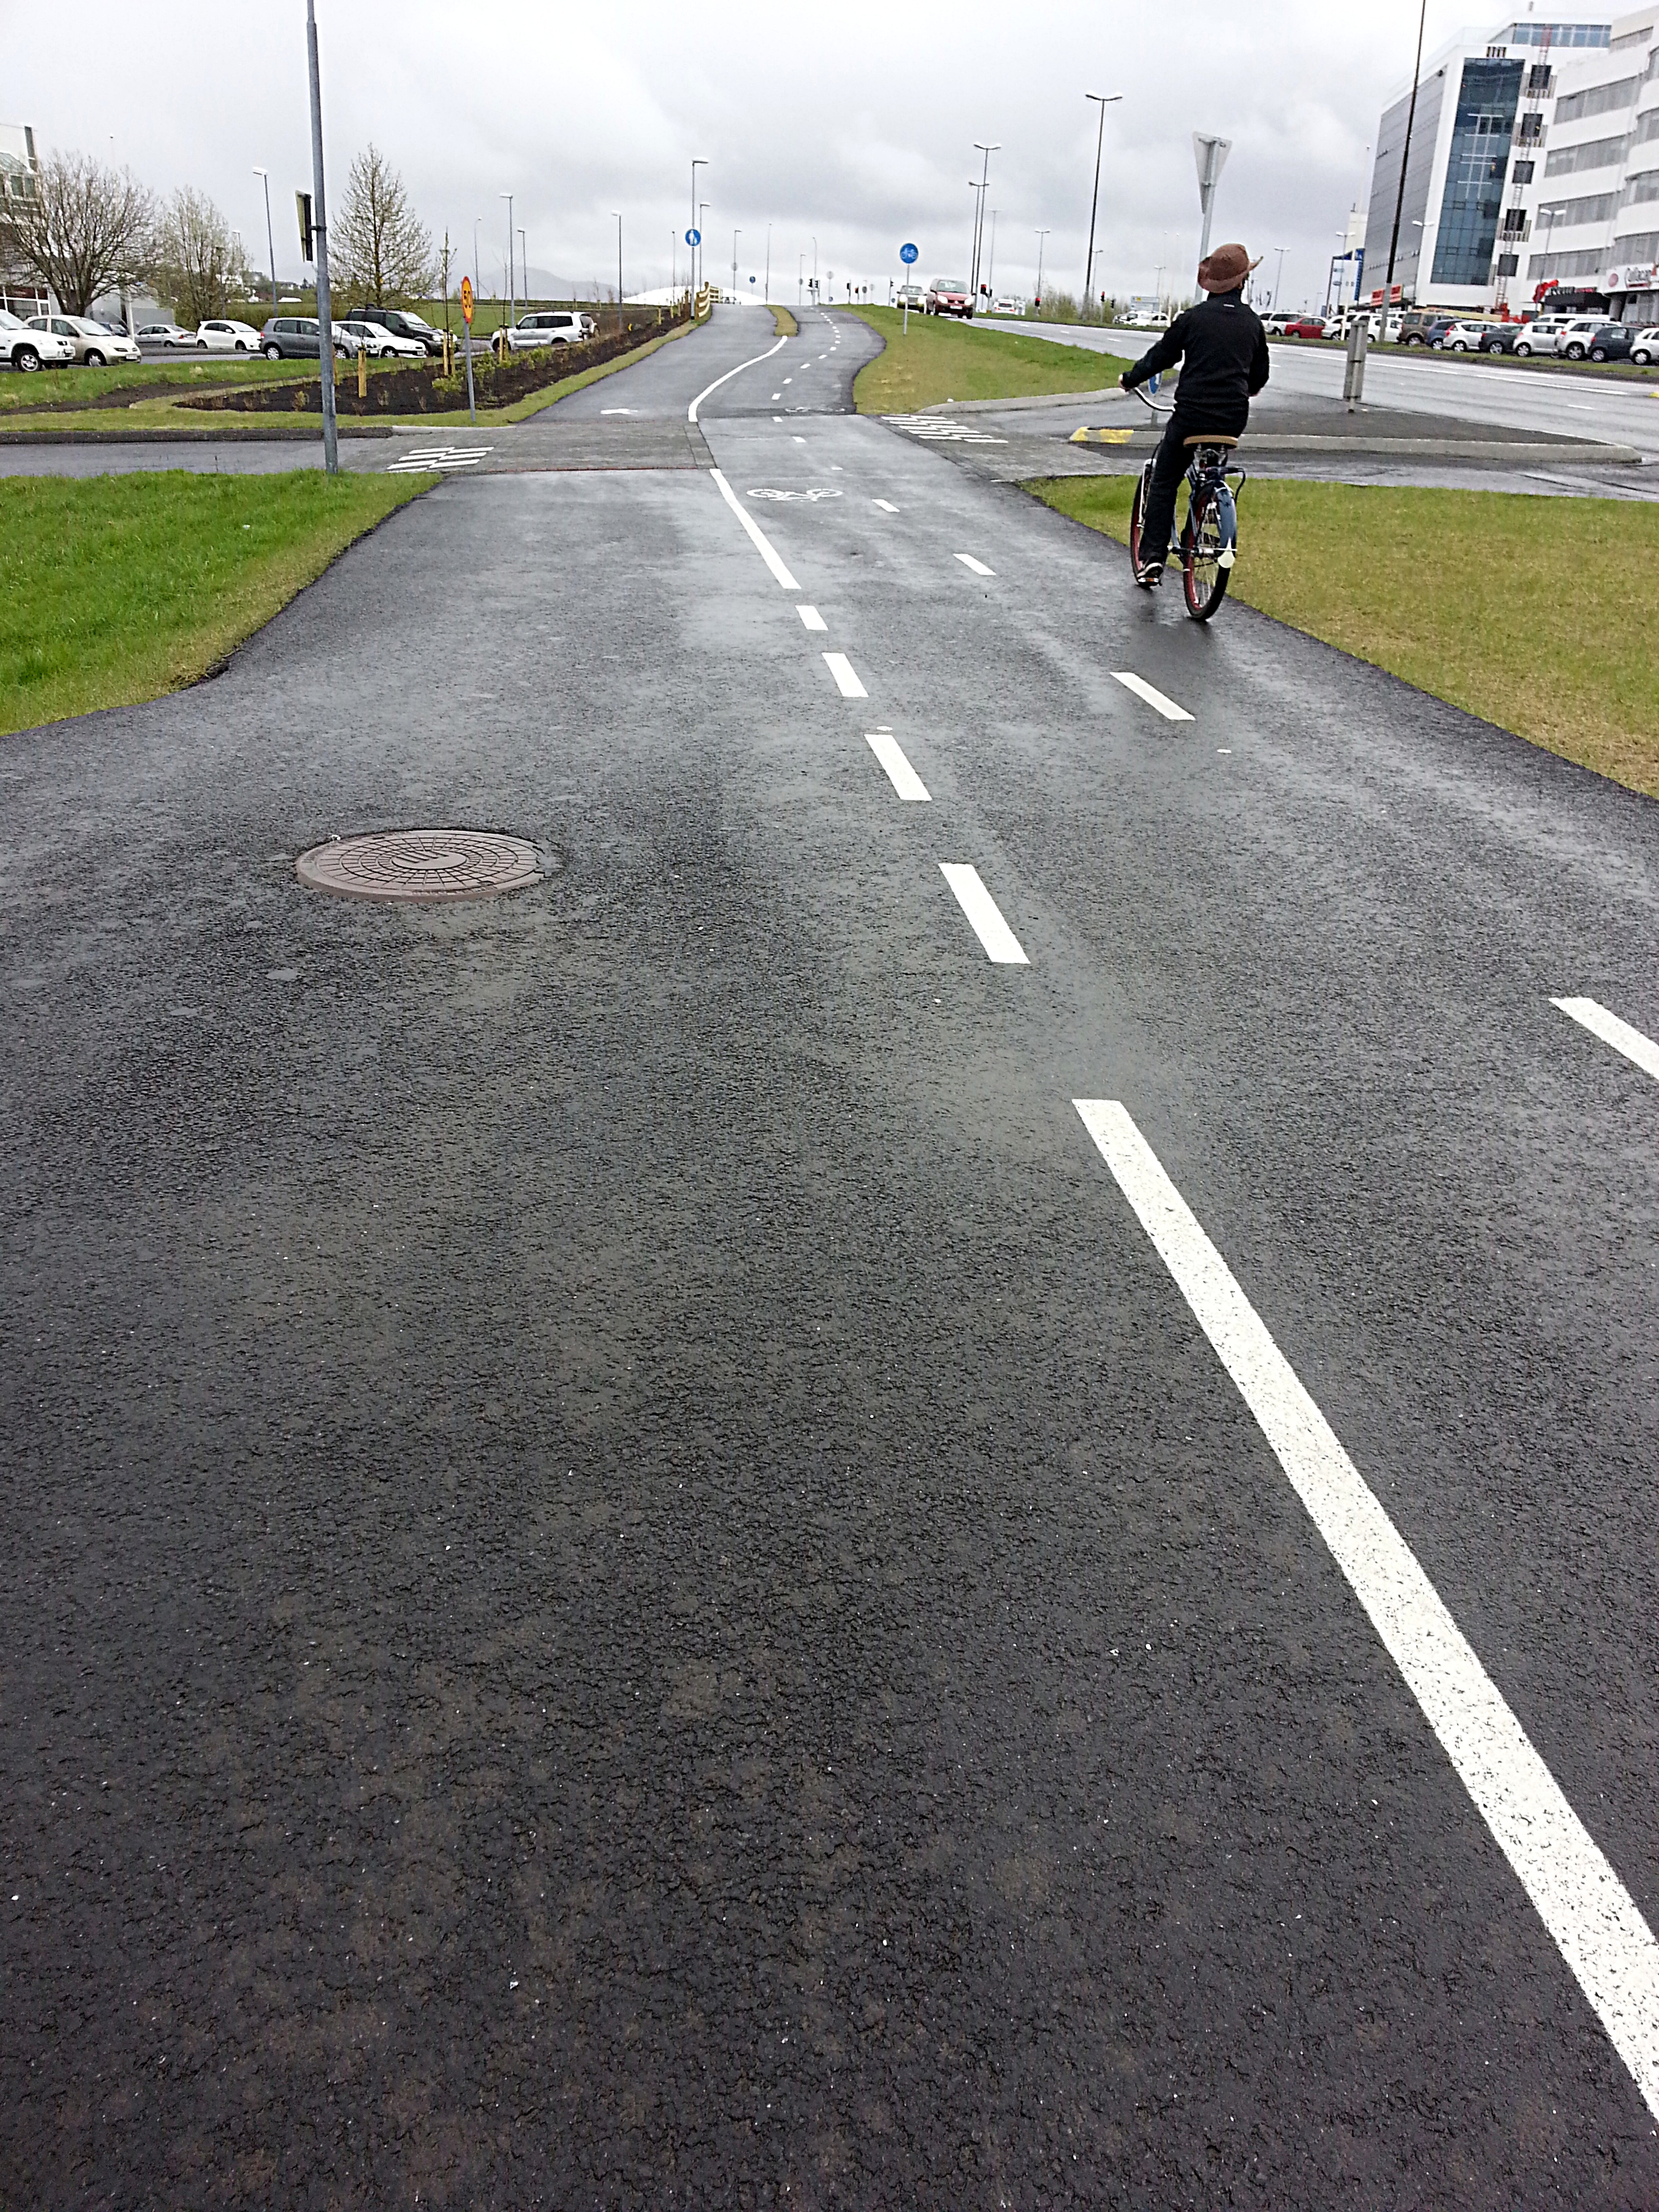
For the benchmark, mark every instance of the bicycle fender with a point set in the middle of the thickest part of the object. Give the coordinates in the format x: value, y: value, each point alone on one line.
x: 1228, y: 515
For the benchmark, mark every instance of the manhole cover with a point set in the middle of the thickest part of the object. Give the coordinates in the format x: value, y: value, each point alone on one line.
x: 421, y: 864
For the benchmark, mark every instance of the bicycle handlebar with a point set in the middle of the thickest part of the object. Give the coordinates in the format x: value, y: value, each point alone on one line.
x: 1143, y: 392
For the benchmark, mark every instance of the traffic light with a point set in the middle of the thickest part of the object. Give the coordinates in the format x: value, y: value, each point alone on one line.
x: 302, y: 203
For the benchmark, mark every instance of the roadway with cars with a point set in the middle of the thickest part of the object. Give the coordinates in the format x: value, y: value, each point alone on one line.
x: 934, y: 1485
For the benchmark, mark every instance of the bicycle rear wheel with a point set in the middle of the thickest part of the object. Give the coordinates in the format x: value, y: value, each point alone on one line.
x: 1202, y: 543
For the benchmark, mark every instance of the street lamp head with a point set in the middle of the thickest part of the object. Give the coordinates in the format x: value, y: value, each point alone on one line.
x: 257, y: 171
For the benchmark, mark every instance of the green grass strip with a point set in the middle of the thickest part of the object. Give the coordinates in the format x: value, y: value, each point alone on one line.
x: 939, y: 359
x: 116, y: 589
x: 1518, y: 609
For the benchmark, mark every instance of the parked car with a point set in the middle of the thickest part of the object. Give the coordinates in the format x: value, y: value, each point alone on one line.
x: 949, y: 295
x: 292, y: 338
x: 551, y: 326
x: 1463, y: 337
x: 91, y: 343
x: 1608, y: 341
x: 221, y: 336
x: 29, y: 349
x: 374, y: 339
x: 404, y: 323
x: 166, y: 335
x: 1424, y: 330
x: 1307, y: 326
x: 1500, y: 337
x: 1644, y: 346
x: 1542, y: 335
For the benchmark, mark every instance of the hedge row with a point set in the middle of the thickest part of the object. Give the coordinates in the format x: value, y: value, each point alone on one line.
x: 421, y: 388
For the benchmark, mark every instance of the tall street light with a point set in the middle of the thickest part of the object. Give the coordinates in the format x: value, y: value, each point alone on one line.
x: 319, y: 240
x: 1405, y: 156
x: 1278, y: 280
x: 271, y: 242
x: 524, y: 266
x: 698, y: 164
x: 703, y: 258
x: 512, y: 289
x: 769, y: 265
x: 617, y: 213
x: 1105, y: 99
x: 736, y: 235
x: 800, y: 281
x: 979, y: 147
x: 1041, y: 236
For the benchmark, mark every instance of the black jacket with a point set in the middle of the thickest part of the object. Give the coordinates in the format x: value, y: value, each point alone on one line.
x: 1223, y: 349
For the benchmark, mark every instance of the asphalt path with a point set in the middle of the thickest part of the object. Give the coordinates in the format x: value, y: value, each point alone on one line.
x: 629, y: 1576
x: 1618, y: 411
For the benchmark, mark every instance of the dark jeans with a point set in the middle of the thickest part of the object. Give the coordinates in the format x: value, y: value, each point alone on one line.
x: 1170, y: 466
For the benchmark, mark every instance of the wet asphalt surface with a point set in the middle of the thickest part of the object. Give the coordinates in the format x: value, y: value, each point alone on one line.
x: 626, y: 1581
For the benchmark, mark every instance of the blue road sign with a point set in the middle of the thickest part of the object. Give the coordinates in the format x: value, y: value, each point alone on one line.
x: 909, y: 253
x: 693, y: 238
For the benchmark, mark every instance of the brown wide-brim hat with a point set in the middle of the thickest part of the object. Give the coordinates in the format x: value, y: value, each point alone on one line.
x: 1225, y: 269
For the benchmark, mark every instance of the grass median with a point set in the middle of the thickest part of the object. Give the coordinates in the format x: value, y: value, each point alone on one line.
x: 939, y: 358
x: 1519, y: 610
x: 117, y: 589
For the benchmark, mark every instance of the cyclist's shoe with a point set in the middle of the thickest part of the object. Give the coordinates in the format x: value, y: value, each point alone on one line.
x: 1150, y: 575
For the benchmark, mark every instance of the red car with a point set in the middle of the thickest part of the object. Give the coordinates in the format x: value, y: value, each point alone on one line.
x: 1309, y: 326
x: 949, y: 295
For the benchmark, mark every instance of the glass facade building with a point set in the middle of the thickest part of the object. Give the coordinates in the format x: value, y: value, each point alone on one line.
x: 1473, y: 199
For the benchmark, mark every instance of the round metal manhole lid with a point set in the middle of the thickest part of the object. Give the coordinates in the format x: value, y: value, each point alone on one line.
x: 423, y: 864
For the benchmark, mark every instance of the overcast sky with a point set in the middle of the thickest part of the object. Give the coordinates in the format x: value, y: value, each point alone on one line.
x: 854, y: 124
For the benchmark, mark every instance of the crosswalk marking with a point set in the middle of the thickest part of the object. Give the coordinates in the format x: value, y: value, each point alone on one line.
x: 421, y: 458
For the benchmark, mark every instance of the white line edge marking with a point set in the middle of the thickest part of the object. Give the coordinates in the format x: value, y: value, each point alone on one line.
x: 1153, y: 697
x: 1620, y: 1034
x: 978, y: 567
x: 985, y: 915
x: 691, y: 411
x: 763, y: 544
x: 900, y: 774
x: 846, y: 676
x: 886, y: 506
x: 1580, y: 1900
x: 812, y: 618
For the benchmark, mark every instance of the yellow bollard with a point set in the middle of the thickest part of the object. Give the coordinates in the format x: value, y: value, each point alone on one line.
x: 362, y: 371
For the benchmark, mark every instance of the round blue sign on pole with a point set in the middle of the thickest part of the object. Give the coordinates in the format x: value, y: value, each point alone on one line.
x: 909, y: 253
x: 693, y: 238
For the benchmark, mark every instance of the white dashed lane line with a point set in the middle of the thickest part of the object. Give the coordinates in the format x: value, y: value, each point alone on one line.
x: 762, y: 543
x: 1620, y: 1034
x: 900, y: 774
x: 1580, y: 1900
x: 978, y: 567
x: 1153, y: 697
x: 886, y: 506
x: 983, y: 911
x: 846, y: 676
x: 812, y: 618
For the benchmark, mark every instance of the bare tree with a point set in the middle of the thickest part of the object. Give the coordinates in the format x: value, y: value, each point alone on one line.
x: 383, y: 251
x: 82, y: 230
x: 198, y: 265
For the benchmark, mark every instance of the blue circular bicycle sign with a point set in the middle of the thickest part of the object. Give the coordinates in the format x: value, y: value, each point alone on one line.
x: 909, y: 253
x: 693, y: 238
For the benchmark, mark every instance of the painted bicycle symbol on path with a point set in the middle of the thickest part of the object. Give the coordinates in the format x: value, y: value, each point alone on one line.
x: 762, y: 491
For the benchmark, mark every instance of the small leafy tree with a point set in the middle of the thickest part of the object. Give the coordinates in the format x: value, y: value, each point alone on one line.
x: 197, y: 266
x: 383, y: 251
x: 81, y: 230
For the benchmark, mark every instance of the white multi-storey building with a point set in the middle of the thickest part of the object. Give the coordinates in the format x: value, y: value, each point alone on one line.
x: 1534, y: 161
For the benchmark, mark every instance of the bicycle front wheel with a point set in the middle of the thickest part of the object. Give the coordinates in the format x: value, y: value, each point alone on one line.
x: 1203, y: 575
x: 1135, y: 513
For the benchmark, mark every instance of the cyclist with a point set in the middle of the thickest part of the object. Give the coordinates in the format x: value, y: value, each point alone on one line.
x: 1223, y: 350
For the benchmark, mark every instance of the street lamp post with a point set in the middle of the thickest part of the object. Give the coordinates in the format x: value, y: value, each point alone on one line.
x: 692, y: 278
x: 1405, y: 156
x: 703, y: 258
x: 736, y: 235
x: 769, y: 265
x: 991, y: 273
x: 319, y: 238
x: 524, y: 266
x: 270, y: 243
x: 1105, y: 99
x: 979, y: 147
x: 512, y: 286
x: 616, y: 212
x: 1041, y: 236
x: 1278, y: 280
x: 800, y: 281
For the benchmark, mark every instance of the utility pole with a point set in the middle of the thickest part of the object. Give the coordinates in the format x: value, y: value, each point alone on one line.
x: 702, y: 257
x: 616, y: 212
x: 320, y: 233
x: 512, y: 284
x: 698, y: 164
x: 1041, y: 236
x: 1105, y: 99
x: 979, y: 147
x: 736, y: 235
x: 769, y: 265
x: 270, y: 243
x: 991, y: 273
x: 1405, y: 156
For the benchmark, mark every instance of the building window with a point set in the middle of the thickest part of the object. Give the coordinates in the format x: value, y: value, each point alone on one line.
x: 1514, y: 222
x: 1531, y: 132
x: 1628, y: 38
x: 1644, y: 187
x: 1539, y: 77
x: 1479, y: 157
x: 1506, y: 265
x: 1594, y: 207
x: 1640, y: 245
x: 1587, y: 264
x: 1599, y: 99
x: 1593, y: 153
x: 1521, y: 172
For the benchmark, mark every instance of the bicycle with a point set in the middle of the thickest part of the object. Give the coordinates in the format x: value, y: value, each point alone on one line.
x: 1206, y: 544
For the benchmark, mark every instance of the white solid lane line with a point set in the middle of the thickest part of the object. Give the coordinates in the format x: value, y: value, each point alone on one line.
x: 1580, y: 1900
x: 900, y: 774
x: 1143, y: 689
x: 886, y: 506
x: 846, y: 676
x: 812, y: 618
x: 978, y: 567
x: 1611, y: 1030
x: 768, y: 552
x: 983, y: 911
x: 691, y: 411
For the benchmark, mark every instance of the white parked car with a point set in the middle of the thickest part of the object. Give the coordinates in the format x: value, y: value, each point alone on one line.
x: 1464, y: 337
x: 1541, y: 335
x: 93, y: 344
x: 27, y: 348
x: 1007, y: 305
x: 371, y: 339
x: 168, y: 335
x: 221, y: 336
x: 552, y: 326
x: 1644, y: 346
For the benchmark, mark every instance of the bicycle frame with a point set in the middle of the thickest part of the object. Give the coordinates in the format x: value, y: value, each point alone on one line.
x: 1206, y: 544
x: 1209, y: 474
